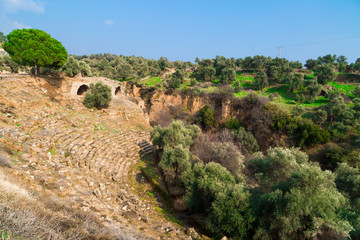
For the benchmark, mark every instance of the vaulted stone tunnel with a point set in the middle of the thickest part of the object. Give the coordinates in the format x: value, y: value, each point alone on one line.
x: 82, y: 89
x: 117, y: 91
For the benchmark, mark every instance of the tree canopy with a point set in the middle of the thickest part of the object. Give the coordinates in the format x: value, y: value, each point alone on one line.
x: 175, y: 134
x: 33, y: 47
x: 295, y: 198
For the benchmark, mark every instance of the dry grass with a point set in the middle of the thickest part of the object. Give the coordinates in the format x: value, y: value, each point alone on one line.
x: 25, y: 215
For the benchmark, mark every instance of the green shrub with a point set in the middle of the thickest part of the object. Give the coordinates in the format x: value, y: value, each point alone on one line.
x: 71, y: 67
x: 300, y: 98
x: 175, y: 134
x: 84, y: 68
x: 324, y: 73
x: 175, y: 160
x: 333, y: 154
x: 332, y: 94
x: 279, y: 164
x: 320, y: 116
x: 174, y: 83
x: 356, y: 91
x: 297, y: 110
x: 206, y: 118
x: 305, y: 132
x: 176, y: 79
x: 231, y: 214
x: 233, y: 124
x: 339, y: 111
x: 272, y: 97
x: 337, y: 135
x: 246, y: 139
x: 203, y: 183
x: 237, y: 86
x: 98, y: 97
x: 193, y: 82
x: 261, y: 80
x: 295, y: 199
x: 227, y: 75
x: 212, y: 190
x: 348, y: 182
x: 14, y: 67
x: 224, y: 153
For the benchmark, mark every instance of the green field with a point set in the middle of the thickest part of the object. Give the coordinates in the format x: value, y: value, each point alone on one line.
x: 343, y: 88
x: 309, y: 76
x: 280, y: 92
x: 152, y: 81
x: 246, y: 80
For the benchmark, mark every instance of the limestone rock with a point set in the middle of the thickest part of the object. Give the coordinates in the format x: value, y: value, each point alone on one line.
x: 192, y: 233
x: 98, y: 193
x: 4, y: 159
x: 116, y: 178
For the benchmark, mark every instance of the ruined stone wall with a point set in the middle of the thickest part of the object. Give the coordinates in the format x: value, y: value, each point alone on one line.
x: 116, y: 87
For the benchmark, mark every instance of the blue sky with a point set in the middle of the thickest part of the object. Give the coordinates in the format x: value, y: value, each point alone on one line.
x: 188, y: 29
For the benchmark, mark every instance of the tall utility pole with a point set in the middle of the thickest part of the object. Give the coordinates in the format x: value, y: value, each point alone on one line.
x: 279, y: 50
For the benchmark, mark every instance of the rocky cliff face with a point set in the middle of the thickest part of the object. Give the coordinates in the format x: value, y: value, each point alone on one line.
x: 162, y: 106
x: 159, y: 103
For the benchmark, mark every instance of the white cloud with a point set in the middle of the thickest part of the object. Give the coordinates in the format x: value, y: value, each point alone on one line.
x: 109, y: 22
x: 20, y: 25
x: 13, y: 6
x: 27, y: 5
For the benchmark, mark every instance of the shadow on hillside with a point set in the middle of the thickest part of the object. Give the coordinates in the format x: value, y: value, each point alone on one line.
x: 54, y: 81
x: 151, y: 174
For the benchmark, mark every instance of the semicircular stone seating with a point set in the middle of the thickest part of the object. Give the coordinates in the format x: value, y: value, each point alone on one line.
x: 86, y: 163
x: 87, y: 158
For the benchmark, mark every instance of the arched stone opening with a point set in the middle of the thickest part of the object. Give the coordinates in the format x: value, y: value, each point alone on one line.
x: 117, y: 91
x: 323, y: 93
x: 82, y: 89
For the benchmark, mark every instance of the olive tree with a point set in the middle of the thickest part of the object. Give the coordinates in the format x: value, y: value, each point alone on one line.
x: 324, y: 73
x: 175, y: 160
x: 98, y: 97
x: 227, y: 75
x: 295, y: 81
x: 175, y: 134
x: 176, y: 79
x: 261, y: 80
x: 295, y: 198
x: 71, y: 67
x: 206, y: 118
x: 224, y: 153
x: 213, y: 191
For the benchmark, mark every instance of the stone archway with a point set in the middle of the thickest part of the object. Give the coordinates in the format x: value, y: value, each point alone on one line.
x: 82, y: 89
x: 117, y: 90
